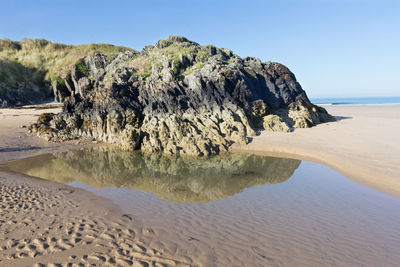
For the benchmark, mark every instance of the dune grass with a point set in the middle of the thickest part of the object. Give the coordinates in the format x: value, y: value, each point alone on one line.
x: 37, y: 61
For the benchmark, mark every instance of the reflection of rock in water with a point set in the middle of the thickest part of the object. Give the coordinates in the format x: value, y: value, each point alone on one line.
x: 178, y: 179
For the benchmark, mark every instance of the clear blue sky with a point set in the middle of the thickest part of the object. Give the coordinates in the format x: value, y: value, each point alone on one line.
x: 335, y: 48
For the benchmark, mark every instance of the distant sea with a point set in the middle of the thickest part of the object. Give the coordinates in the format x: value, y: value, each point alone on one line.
x: 357, y: 101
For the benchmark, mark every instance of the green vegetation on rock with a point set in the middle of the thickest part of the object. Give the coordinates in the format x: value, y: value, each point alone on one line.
x: 81, y: 66
x: 54, y: 77
x: 143, y: 74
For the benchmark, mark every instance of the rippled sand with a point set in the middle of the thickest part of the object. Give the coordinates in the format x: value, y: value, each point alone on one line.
x: 43, y: 224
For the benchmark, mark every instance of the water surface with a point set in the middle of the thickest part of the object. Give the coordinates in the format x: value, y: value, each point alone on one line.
x: 238, y: 209
x: 357, y: 101
x: 175, y: 179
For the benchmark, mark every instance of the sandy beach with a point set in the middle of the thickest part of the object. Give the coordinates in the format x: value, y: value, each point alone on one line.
x: 363, y: 145
x: 49, y: 223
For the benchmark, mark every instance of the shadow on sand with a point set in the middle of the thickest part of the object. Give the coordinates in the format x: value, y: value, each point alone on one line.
x: 18, y: 149
x: 339, y: 118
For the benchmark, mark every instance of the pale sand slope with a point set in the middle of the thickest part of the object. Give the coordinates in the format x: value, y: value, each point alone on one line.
x: 48, y: 224
x: 364, y: 145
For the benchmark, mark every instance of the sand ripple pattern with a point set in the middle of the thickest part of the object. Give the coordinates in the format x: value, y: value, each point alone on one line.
x: 41, y: 226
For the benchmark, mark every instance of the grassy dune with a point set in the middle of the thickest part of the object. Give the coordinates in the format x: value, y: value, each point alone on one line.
x: 32, y: 63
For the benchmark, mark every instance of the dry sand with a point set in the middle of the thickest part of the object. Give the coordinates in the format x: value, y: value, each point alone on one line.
x: 364, y: 145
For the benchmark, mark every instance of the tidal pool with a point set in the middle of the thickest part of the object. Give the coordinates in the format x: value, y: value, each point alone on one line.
x: 238, y: 209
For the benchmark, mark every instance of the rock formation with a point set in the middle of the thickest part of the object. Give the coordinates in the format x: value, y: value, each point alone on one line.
x: 176, y: 97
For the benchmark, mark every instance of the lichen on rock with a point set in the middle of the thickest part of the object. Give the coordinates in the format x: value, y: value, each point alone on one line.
x: 178, y: 97
x: 275, y: 124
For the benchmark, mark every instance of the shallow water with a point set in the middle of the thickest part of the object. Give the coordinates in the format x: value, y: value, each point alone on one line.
x: 238, y: 209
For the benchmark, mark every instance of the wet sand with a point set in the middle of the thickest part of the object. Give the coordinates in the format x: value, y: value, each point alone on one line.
x: 364, y: 145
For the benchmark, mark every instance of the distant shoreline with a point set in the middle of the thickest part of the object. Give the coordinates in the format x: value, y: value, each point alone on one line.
x: 355, y: 105
x: 356, y: 101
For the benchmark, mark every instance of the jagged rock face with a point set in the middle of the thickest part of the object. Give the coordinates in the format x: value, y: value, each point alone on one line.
x: 17, y: 96
x: 176, y: 97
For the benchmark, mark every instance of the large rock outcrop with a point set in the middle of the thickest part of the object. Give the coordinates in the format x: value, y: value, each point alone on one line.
x: 176, y: 97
